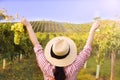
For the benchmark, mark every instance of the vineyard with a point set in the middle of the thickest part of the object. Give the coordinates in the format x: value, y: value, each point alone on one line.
x: 17, y: 62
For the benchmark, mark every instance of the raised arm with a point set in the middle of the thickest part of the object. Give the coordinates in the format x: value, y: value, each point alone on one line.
x: 31, y: 33
x: 41, y: 60
x: 95, y: 25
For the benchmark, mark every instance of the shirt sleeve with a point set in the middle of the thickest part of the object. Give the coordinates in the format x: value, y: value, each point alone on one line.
x: 44, y: 65
x: 41, y: 60
x: 81, y: 58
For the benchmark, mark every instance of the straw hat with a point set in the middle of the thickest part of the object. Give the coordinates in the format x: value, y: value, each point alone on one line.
x: 60, y: 51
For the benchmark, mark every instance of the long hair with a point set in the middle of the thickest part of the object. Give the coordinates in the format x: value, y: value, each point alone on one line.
x: 59, y: 73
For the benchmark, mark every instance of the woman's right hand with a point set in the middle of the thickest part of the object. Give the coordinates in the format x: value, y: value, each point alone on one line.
x: 30, y: 31
x: 25, y: 22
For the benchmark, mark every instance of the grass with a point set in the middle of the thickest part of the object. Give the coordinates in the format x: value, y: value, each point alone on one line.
x: 27, y: 69
x: 104, y: 71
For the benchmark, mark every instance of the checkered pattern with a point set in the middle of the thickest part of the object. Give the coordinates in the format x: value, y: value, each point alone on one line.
x: 71, y: 71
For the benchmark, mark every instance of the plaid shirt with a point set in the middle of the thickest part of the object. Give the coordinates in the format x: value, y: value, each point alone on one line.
x: 71, y: 71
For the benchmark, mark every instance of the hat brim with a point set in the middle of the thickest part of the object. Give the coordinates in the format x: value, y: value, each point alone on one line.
x: 61, y: 62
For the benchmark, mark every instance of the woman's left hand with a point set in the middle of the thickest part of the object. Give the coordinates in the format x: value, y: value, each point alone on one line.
x: 95, y: 25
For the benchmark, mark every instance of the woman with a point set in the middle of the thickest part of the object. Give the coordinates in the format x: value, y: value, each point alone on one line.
x: 60, y: 61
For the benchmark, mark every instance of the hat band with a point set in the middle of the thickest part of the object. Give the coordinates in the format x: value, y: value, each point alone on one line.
x: 59, y: 57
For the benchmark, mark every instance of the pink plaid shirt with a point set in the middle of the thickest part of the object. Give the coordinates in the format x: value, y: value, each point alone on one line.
x: 71, y: 71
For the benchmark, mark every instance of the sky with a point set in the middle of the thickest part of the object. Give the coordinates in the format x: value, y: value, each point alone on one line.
x: 73, y: 11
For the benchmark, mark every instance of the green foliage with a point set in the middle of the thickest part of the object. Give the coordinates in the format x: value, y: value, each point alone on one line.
x: 107, y: 39
x: 85, y: 75
x: 43, y: 38
x: 7, y: 47
x: 6, y: 39
x: 114, y: 41
x: 51, y: 35
x: 18, y: 30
